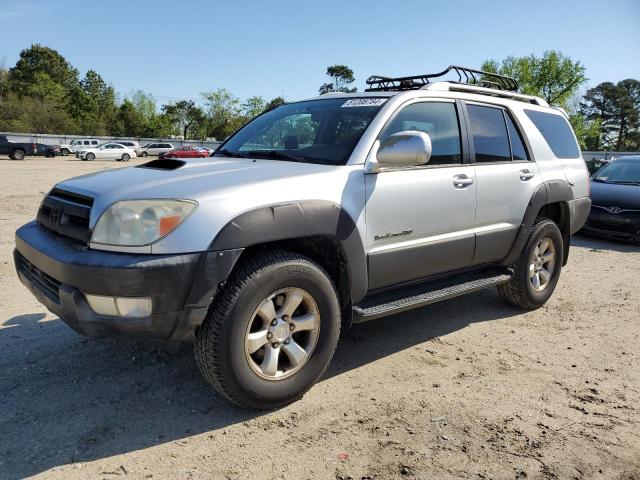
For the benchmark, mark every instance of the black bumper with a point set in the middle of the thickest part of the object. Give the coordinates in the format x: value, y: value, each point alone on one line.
x: 59, y: 271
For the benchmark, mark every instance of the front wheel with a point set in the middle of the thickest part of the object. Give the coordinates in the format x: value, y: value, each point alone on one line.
x: 90, y: 157
x: 18, y: 155
x: 537, y: 270
x: 144, y: 154
x: 272, y: 331
x: 64, y: 151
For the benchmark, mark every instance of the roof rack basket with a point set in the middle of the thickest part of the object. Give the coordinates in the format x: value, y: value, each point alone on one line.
x: 469, y: 76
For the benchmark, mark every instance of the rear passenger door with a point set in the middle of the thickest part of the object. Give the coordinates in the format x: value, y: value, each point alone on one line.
x: 506, y: 179
x: 420, y: 219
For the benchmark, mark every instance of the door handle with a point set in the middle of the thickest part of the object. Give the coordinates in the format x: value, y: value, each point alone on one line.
x: 526, y: 175
x: 462, y: 181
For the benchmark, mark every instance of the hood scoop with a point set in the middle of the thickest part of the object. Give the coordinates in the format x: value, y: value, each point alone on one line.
x: 163, y: 164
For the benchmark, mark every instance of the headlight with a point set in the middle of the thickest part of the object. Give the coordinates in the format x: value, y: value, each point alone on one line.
x: 140, y: 222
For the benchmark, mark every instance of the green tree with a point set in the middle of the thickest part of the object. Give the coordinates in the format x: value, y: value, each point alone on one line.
x: 275, y: 102
x: 38, y: 63
x: 554, y: 76
x: 617, y: 108
x: 185, y: 114
x: 224, y: 112
x: 341, y: 77
x: 253, y: 107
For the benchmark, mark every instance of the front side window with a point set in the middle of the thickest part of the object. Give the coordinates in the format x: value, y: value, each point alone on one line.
x: 489, y: 132
x: 557, y: 133
x: 437, y: 119
x: 318, y: 131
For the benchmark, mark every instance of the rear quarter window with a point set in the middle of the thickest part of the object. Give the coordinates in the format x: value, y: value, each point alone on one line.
x: 557, y: 133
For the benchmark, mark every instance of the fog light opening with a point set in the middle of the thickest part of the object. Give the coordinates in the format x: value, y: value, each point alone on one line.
x: 120, y: 306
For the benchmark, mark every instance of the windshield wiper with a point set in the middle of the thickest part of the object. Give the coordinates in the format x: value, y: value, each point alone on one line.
x: 276, y: 154
x: 230, y: 153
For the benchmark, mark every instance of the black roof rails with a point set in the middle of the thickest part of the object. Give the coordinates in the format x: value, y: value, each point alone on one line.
x: 377, y: 83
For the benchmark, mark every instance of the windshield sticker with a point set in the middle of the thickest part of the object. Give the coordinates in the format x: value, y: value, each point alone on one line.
x: 364, y: 102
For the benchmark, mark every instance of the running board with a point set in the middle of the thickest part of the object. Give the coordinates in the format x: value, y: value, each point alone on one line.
x: 415, y: 296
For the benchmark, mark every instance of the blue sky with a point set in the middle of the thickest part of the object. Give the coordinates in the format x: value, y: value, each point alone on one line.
x: 178, y: 49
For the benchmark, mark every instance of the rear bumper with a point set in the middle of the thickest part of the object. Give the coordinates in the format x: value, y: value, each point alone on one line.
x: 59, y: 272
x: 578, y: 213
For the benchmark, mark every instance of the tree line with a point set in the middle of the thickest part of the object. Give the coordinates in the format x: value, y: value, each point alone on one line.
x: 43, y: 93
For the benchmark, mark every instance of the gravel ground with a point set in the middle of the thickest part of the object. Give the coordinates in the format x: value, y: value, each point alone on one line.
x: 469, y: 388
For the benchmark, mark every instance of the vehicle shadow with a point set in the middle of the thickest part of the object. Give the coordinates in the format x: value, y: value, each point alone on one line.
x: 67, y: 399
x: 597, y: 243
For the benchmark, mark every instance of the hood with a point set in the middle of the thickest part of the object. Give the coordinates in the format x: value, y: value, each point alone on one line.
x: 612, y: 195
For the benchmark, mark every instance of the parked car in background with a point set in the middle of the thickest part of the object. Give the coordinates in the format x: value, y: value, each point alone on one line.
x: 186, y: 151
x: 135, y: 146
x: 155, y: 149
x: 615, y: 196
x: 18, y: 150
x: 108, y: 151
x: 77, y: 145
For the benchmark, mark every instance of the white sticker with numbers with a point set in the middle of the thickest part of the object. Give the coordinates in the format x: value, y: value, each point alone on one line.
x: 364, y: 102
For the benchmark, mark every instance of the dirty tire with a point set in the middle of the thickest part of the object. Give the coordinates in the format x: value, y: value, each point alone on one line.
x: 220, y: 341
x: 519, y: 291
x: 18, y: 155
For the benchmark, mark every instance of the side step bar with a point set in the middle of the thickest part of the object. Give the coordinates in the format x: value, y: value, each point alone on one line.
x: 390, y: 303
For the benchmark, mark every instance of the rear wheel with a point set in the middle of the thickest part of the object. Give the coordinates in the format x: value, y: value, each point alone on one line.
x: 272, y: 331
x: 18, y: 155
x: 125, y: 157
x: 537, y: 270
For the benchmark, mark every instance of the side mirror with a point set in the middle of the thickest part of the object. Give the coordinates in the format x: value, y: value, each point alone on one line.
x: 404, y: 149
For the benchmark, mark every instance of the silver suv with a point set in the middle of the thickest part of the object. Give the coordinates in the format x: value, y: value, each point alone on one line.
x: 315, y: 215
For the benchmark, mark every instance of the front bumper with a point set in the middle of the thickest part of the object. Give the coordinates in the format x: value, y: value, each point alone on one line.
x: 620, y: 226
x: 59, y: 272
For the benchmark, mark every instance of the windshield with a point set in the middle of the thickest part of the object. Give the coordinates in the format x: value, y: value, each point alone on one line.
x: 316, y: 131
x: 621, y: 171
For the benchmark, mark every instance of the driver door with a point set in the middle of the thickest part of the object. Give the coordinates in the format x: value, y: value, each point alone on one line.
x: 420, y: 219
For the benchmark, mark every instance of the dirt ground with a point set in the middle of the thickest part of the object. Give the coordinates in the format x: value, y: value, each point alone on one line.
x: 469, y: 388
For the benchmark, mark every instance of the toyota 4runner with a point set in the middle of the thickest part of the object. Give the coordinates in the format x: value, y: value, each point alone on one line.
x: 315, y: 215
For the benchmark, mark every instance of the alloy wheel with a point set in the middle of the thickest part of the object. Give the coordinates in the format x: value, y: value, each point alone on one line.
x: 282, y: 333
x: 542, y: 264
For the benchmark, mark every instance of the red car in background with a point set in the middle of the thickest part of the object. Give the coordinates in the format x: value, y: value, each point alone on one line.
x: 186, y: 151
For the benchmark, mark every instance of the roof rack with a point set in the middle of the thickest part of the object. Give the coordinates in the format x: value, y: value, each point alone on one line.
x: 469, y: 76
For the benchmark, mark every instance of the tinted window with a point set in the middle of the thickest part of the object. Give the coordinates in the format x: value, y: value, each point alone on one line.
x: 489, y: 130
x: 94, y: 142
x: 557, y: 133
x: 517, y: 146
x: 439, y: 121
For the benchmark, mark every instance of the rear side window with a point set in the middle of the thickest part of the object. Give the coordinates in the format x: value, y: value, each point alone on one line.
x: 517, y: 146
x: 438, y: 120
x: 557, y: 133
x: 489, y: 131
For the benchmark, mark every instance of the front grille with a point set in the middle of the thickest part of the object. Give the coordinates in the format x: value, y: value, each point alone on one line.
x: 67, y: 214
x: 43, y: 282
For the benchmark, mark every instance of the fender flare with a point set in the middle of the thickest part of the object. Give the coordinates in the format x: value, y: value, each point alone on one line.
x: 300, y: 220
x: 551, y: 191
